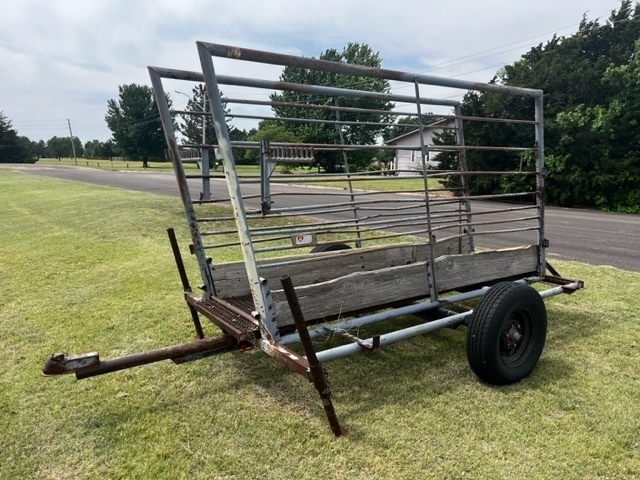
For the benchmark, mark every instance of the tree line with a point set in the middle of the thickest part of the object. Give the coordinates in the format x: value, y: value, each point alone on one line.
x: 591, y: 84
x: 15, y: 148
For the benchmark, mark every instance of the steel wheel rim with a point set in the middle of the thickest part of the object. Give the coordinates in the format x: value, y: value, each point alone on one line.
x: 515, y: 337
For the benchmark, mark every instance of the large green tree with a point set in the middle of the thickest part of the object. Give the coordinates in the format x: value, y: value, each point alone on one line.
x: 96, y: 148
x: 39, y: 148
x: 93, y: 148
x: 267, y: 130
x: 354, y: 53
x: 591, y: 99
x: 58, y: 147
x: 13, y: 148
x: 135, y: 124
x: 598, y: 159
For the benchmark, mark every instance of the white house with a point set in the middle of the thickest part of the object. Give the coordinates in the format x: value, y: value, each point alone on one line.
x: 407, y: 156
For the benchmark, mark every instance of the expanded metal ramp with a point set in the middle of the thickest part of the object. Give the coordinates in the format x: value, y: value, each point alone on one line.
x: 232, y: 315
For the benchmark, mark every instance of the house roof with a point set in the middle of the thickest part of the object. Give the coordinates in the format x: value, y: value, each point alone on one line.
x: 438, y: 124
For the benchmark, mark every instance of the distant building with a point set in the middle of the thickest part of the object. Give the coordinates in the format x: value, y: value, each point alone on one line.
x: 407, y: 155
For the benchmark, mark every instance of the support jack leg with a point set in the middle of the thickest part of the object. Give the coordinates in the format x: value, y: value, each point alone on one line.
x: 185, y: 281
x: 316, y: 371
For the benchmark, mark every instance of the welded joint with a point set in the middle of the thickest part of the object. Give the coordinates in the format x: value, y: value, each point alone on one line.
x: 568, y: 285
x: 573, y: 287
x: 365, y: 346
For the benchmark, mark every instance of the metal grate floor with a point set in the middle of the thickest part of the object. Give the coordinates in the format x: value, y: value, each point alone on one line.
x: 233, y: 315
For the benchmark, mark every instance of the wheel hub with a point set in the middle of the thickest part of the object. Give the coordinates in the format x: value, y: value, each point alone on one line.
x: 512, y: 337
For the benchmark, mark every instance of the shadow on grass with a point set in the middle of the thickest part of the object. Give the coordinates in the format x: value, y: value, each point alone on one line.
x: 421, y: 372
x: 418, y: 371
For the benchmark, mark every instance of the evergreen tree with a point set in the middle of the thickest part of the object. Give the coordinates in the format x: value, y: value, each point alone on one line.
x: 191, y: 125
x: 13, y: 148
x: 135, y: 124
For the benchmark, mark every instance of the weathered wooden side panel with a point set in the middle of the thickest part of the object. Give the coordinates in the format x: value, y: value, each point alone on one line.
x: 354, y: 292
x: 361, y: 290
x: 457, y: 271
x: 231, y: 278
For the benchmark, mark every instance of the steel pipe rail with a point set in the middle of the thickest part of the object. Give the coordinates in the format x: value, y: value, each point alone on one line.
x: 271, y: 58
x: 406, y: 333
x: 297, y: 87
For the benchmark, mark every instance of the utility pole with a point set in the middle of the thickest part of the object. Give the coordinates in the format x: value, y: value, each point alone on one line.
x: 204, y: 151
x: 204, y: 117
x: 73, y: 145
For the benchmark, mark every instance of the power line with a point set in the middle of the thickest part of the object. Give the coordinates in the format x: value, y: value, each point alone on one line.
x: 474, y: 57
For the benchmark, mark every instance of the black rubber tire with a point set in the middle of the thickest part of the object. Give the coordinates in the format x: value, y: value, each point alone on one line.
x: 330, y: 247
x: 506, y: 335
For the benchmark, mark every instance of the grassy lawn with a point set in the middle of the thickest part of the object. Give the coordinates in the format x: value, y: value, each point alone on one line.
x: 87, y: 268
x: 406, y: 183
x: 385, y: 184
x: 112, y: 164
x: 136, y: 165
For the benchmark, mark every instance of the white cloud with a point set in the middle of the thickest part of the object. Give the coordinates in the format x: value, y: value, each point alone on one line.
x: 65, y: 58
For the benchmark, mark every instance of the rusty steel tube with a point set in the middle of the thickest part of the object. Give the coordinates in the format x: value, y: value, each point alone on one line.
x: 238, y: 53
x: 184, y: 279
x: 222, y: 342
x: 315, y: 368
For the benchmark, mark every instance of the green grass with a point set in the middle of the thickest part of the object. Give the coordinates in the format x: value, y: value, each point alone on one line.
x: 88, y: 268
x: 387, y: 184
x: 111, y: 164
x: 404, y: 183
x: 136, y: 165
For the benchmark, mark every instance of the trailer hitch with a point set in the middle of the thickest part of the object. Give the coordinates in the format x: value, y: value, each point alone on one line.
x: 89, y: 364
x: 62, y: 363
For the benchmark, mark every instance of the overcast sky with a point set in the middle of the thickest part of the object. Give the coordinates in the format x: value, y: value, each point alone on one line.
x: 63, y: 59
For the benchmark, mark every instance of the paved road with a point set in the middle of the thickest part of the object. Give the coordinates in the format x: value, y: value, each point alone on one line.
x: 597, y: 238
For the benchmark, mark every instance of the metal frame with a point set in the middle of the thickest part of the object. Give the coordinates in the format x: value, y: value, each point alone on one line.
x: 252, y: 315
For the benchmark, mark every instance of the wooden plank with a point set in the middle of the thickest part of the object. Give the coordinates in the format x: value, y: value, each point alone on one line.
x: 357, y: 291
x: 231, y: 279
x: 457, y: 271
x: 354, y: 292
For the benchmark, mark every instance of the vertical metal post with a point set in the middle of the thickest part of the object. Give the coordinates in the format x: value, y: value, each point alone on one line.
x: 265, y: 185
x: 184, y: 279
x: 204, y: 167
x: 540, y: 182
x: 204, y: 117
x: 266, y: 317
x: 431, y: 271
x: 174, y: 155
x: 315, y: 368
x: 204, y: 153
x: 346, y: 169
x: 463, y: 167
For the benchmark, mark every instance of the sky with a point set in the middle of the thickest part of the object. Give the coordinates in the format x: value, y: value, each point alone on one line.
x: 64, y: 59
